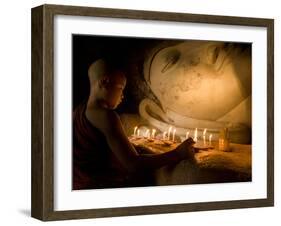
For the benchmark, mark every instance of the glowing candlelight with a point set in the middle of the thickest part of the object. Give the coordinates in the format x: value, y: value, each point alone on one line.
x: 153, y: 133
x: 187, y: 135
x: 169, y: 132
x: 164, y: 135
x: 204, y: 132
x: 210, y: 139
x: 138, y: 132
x: 135, y: 131
x: 195, y: 135
x: 147, y: 133
x: 204, y: 136
x: 174, y: 132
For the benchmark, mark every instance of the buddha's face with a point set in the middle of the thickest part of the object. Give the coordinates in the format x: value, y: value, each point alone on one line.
x: 200, y: 79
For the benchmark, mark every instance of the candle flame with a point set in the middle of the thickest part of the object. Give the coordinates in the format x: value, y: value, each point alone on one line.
x: 135, y: 131
x: 174, y: 132
x: 153, y: 133
x: 210, y: 139
x: 147, y: 133
x: 164, y: 135
x: 195, y: 135
x: 204, y: 132
x: 169, y: 132
x: 187, y: 135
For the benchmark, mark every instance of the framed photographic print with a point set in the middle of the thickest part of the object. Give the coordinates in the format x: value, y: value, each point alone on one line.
x: 141, y: 112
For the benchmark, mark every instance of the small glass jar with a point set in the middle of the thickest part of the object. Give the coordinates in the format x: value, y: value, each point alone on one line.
x: 224, y: 143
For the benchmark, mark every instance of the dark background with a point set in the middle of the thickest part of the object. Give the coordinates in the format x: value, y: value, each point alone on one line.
x: 130, y: 52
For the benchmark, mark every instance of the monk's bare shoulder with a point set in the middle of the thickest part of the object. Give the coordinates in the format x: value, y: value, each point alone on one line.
x: 103, y: 119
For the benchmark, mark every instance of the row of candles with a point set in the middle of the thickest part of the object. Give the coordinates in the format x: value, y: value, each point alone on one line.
x: 171, y: 130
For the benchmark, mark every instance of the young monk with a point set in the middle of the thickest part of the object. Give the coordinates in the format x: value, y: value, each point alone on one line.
x: 103, y: 156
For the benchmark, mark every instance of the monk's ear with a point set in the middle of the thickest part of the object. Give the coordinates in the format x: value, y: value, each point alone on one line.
x: 103, y: 82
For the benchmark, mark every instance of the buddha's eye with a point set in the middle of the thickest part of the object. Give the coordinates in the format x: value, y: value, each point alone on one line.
x: 213, y: 54
x: 170, y: 59
x: 216, y: 54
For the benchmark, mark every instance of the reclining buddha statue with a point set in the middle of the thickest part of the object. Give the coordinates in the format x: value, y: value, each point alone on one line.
x: 200, y: 84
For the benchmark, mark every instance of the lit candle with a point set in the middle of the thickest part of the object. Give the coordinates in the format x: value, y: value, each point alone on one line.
x: 204, y: 136
x: 135, y: 131
x: 174, y: 132
x: 195, y: 135
x: 169, y: 132
x: 210, y: 139
x: 138, y: 132
x: 164, y: 135
x: 153, y: 133
x: 147, y: 133
x: 187, y: 135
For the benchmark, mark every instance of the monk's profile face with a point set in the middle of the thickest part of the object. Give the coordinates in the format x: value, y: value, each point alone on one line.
x: 112, y: 89
x: 199, y: 79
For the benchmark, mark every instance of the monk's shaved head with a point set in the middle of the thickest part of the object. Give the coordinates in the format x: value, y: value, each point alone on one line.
x: 97, y: 70
x: 107, y: 82
x: 105, y: 68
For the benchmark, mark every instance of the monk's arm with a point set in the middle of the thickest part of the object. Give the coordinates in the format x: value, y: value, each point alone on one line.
x: 127, y: 154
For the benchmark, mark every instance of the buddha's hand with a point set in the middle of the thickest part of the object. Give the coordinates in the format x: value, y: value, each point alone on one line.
x: 186, y: 150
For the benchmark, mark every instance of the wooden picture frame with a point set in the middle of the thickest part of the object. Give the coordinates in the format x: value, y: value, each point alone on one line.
x: 42, y: 205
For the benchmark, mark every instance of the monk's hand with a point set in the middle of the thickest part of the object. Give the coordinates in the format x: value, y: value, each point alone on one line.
x: 186, y: 150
